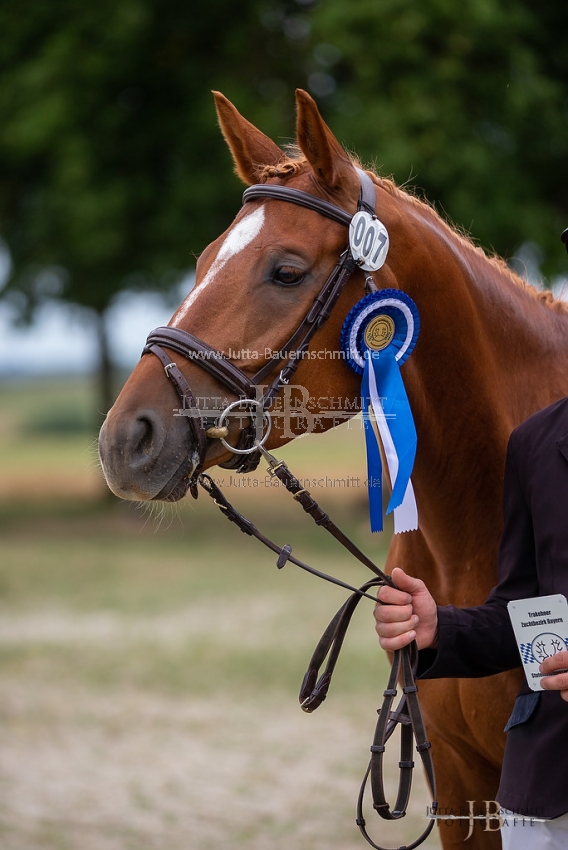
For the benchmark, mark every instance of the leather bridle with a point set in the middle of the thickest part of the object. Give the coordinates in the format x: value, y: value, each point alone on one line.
x: 248, y: 453
x: 220, y: 367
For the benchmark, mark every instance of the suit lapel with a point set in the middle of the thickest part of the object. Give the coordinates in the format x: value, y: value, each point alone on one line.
x: 562, y: 444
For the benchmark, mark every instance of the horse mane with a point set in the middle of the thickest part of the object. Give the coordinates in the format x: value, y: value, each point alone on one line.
x: 294, y: 163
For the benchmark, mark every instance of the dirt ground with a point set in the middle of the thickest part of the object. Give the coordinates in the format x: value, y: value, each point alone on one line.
x: 124, y: 768
x: 149, y: 666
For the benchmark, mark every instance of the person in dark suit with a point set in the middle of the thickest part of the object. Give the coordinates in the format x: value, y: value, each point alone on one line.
x: 479, y: 641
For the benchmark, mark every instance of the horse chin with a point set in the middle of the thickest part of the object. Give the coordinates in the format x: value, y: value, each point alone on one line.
x: 180, y: 482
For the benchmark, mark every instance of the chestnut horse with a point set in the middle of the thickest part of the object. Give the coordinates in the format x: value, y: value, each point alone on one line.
x: 491, y: 352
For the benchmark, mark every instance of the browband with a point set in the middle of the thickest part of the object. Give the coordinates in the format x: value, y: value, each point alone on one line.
x: 304, y: 199
x: 296, y: 196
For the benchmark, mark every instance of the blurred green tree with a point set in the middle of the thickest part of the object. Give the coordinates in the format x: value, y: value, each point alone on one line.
x: 113, y: 173
x: 468, y: 101
x: 112, y: 170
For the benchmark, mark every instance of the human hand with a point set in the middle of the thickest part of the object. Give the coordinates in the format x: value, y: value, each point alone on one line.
x: 558, y: 682
x: 409, y: 614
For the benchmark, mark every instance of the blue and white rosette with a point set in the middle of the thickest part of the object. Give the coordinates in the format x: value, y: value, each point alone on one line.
x: 377, y: 336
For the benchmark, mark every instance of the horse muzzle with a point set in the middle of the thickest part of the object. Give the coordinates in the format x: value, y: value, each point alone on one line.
x: 146, y: 457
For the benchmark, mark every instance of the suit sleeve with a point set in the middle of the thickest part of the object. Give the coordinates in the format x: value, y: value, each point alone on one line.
x: 480, y: 641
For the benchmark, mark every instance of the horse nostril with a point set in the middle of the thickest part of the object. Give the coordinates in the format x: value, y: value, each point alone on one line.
x: 146, y: 438
x: 142, y: 437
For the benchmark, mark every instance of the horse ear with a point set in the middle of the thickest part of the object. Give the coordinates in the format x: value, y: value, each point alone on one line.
x: 250, y: 148
x: 320, y: 147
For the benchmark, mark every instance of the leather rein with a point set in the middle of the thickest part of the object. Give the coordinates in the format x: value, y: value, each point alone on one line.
x: 248, y: 453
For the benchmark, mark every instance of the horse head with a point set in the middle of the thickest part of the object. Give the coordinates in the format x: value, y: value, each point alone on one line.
x: 255, y: 286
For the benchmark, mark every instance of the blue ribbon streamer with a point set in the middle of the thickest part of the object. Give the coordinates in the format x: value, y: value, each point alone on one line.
x: 399, y: 421
x: 374, y: 464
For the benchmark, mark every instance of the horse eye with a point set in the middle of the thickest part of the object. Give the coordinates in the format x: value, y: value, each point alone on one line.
x: 288, y: 276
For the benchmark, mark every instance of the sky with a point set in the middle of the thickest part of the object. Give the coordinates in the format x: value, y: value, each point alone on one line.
x: 62, y: 340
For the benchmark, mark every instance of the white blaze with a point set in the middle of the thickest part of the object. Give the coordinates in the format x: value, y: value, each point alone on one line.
x: 238, y: 238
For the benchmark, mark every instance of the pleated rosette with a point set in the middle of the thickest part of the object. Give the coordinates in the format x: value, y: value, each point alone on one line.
x: 378, y: 335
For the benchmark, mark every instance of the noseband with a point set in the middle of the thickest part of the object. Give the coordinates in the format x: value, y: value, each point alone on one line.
x: 247, y: 389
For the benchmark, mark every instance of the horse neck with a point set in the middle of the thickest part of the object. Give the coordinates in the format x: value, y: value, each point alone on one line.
x: 477, y: 372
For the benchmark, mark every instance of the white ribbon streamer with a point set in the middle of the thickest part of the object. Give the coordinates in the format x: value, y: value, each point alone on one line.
x: 406, y: 515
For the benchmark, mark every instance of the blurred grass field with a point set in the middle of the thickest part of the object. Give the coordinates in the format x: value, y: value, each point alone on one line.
x: 150, y: 662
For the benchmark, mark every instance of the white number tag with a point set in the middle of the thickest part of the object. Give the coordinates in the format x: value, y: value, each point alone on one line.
x: 369, y: 241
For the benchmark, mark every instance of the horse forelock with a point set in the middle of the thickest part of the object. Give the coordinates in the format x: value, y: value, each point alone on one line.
x: 292, y: 164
